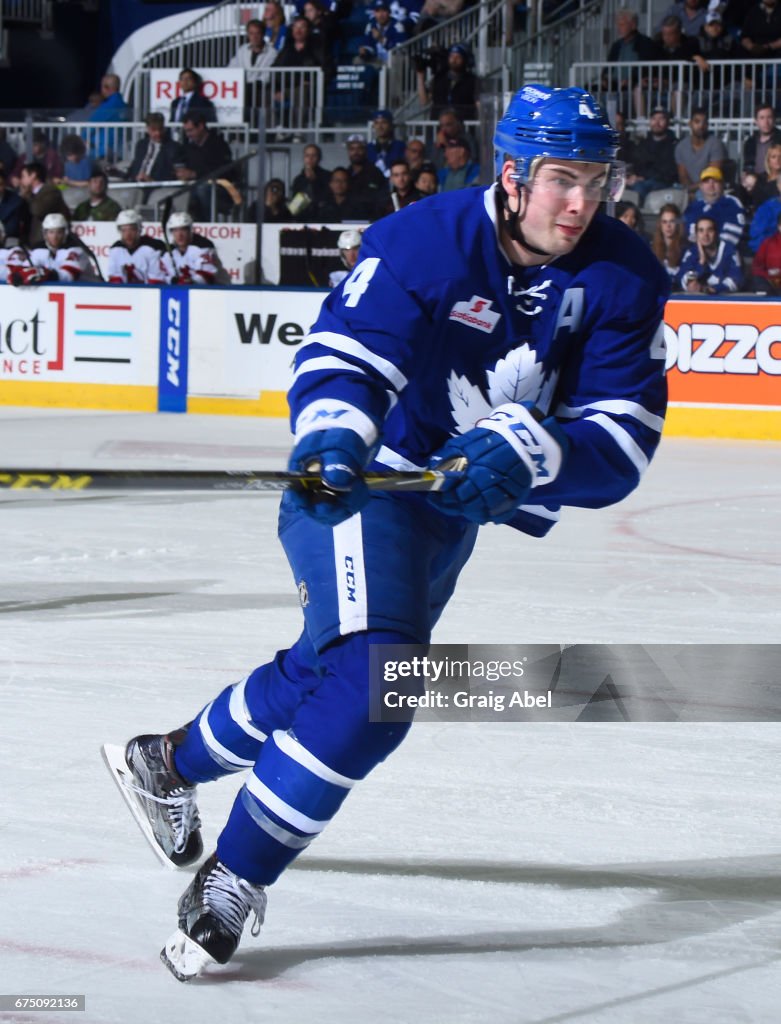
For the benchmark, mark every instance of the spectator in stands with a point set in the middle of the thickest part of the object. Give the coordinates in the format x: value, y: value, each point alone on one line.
x: 112, y: 106
x: 42, y: 199
x: 690, y: 13
x: 710, y: 266
x: 629, y: 213
x: 349, y: 245
x: 256, y: 53
x: 766, y: 265
x: 715, y: 44
x: 193, y: 258
x: 459, y: 170
x: 434, y: 11
x: 653, y: 163
x: 14, y: 212
x: 763, y: 223
x: 311, y: 182
x: 450, y: 127
x: 156, y: 155
x: 98, y: 206
x: 385, y: 148
x: 136, y: 258
x: 322, y: 33
x: 403, y: 191
x: 275, y: 209
x: 342, y: 205
x: 631, y: 46
x: 383, y: 32
x: 756, y: 189
x: 276, y: 29
x: 298, y: 51
x: 415, y: 155
x: 427, y: 181
x: 726, y: 210
x: 626, y: 145
x: 8, y: 155
x: 698, y: 150
x: 757, y: 144
x: 454, y: 87
x: 761, y: 33
x: 77, y: 165
x: 191, y: 99
x: 673, y: 45
x: 367, y: 182
x: 43, y: 154
x: 204, y: 152
x: 669, y: 239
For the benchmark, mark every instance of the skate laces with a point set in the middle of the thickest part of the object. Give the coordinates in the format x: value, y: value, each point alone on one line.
x: 231, y: 898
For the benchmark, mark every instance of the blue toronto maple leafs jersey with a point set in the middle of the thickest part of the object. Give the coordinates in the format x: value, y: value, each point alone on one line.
x: 435, y: 327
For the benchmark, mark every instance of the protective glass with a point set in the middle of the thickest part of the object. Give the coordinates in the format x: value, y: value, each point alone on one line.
x: 608, y: 187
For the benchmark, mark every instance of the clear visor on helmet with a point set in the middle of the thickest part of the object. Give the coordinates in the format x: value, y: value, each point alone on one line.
x: 555, y: 177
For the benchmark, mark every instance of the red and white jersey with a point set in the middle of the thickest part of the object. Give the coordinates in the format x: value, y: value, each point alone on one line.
x: 198, y: 264
x: 68, y: 263
x: 4, y: 255
x: 146, y: 264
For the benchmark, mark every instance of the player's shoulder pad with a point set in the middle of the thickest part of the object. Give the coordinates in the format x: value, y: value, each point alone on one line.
x: 153, y: 243
x: 435, y: 237
x: 201, y: 241
x: 611, y: 251
x: 119, y: 244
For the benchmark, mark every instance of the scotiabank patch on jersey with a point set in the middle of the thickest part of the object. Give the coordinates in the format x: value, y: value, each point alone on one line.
x: 476, y: 313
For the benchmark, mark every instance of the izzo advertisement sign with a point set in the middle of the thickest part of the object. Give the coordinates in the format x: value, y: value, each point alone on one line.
x: 77, y: 335
x: 724, y: 352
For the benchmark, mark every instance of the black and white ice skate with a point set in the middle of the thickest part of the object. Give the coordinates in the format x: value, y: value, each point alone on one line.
x: 162, y: 803
x: 212, y: 913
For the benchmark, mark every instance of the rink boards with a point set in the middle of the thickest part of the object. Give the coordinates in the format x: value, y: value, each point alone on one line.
x: 230, y: 351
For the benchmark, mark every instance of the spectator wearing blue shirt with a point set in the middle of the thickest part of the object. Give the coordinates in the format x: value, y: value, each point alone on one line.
x: 710, y: 266
x: 726, y: 210
x: 459, y: 171
x: 112, y: 107
x: 764, y: 223
x: 385, y: 149
x: 382, y: 34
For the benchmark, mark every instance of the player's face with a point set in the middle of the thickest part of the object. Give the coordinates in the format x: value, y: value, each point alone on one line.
x: 559, y: 204
x: 129, y: 233
x: 350, y: 256
x: 55, y: 237
x: 181, y: 237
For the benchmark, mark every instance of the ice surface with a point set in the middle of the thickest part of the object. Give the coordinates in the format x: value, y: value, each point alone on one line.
x: 625, y: 874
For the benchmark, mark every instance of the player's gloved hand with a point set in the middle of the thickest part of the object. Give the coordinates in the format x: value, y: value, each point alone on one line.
x: 184, y: 276
x: 507, y: 454
x: 340, y: 456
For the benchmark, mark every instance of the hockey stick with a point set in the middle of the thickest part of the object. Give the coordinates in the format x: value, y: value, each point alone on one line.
x: 209, y: 480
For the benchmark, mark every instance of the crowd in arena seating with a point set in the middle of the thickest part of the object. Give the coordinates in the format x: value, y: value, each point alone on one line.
x: 712, y: 221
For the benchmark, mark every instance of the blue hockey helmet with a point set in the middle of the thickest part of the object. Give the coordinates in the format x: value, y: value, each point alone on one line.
x: 567, y: 124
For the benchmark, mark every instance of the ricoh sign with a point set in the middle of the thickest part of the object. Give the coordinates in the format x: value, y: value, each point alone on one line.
x: 223, y: 86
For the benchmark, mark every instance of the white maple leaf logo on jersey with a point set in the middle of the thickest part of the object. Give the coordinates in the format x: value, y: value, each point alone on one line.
x: 517, y: 377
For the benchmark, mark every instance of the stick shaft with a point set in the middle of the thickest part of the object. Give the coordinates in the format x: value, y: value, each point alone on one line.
x: 205, y: 480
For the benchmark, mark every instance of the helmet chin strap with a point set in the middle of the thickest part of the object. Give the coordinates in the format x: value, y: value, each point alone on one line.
x: 512, y: 221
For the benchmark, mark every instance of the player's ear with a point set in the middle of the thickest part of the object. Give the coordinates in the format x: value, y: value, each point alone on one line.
x: 509, y: 184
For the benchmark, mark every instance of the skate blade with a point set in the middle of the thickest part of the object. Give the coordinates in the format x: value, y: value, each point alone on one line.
x: 184, y: 958
x: 114, y: 757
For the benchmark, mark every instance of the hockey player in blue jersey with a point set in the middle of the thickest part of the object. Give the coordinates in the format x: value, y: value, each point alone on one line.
x: 530, y: 348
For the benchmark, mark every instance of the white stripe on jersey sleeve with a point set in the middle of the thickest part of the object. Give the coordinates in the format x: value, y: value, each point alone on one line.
x: 623, y: 439
x: 619, y: 407
x: 351, y: 347
x: 326, y: 363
